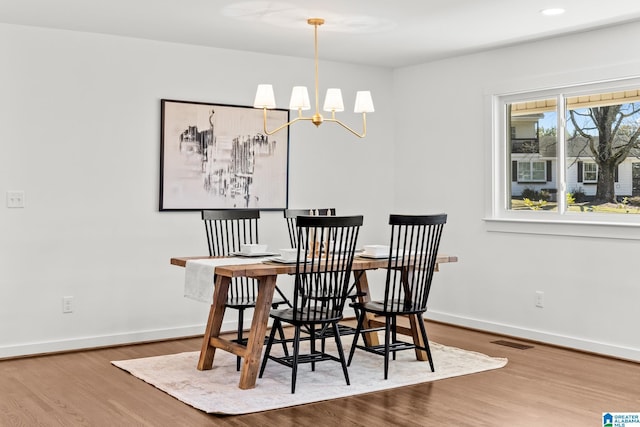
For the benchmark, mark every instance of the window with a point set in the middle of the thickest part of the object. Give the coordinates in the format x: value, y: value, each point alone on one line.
x: 567, y: 155
x: 532, y: 171
x: 590, y: 172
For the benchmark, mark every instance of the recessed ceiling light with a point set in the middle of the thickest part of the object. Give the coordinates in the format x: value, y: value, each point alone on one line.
x: 552, y: 11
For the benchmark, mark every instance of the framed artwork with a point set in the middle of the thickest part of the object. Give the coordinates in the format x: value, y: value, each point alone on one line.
x: 216, y: 156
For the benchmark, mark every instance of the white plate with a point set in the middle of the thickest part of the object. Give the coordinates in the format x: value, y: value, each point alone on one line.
x: 374, y: 256
x: 376, y: 248
x: 254, y: 254
x: 282, y: 260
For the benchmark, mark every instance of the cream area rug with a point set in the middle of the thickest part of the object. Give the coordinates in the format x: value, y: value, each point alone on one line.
x: 216, y: 391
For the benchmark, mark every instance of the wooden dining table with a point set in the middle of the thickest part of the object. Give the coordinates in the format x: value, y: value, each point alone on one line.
x: 266, y: 274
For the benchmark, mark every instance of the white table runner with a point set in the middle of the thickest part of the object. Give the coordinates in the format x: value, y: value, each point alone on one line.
x: 198, y: 275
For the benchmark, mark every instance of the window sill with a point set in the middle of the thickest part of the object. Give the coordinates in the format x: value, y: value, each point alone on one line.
x: 568, y: 227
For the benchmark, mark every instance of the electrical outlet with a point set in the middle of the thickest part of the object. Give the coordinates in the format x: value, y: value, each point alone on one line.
x: 539, y: 299
x: 15, y: 199
x: 67, y: 304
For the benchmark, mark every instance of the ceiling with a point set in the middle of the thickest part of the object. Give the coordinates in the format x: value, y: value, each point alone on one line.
x: 370, y: 32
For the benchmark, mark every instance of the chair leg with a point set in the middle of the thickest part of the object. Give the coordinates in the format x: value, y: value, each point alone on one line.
x: 356, y: 336
x: 387, y: 333
x: 423, y: 330
x: 240, y: 330
x: 312, y: 343
x: 343, y: 362
x: 323, y: 332
x: 394, y: 333
x: 267, y: 351
x: 296, y: 352
x: 282, y: 339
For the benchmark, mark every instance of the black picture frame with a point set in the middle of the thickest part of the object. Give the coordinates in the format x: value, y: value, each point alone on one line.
x: 217, y: 156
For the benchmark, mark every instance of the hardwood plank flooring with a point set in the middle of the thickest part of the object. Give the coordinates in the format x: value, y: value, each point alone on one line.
x: 543, y: 385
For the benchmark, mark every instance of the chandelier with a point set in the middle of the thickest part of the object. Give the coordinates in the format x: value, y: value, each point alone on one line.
x: 300, y: 99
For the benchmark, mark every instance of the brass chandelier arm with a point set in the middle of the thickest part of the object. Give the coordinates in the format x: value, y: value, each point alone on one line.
x: 332, y: 119
x: 359, y: 135
x: 279, y: 128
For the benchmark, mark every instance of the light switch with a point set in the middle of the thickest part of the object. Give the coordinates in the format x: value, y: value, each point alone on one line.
x: 15, y: 199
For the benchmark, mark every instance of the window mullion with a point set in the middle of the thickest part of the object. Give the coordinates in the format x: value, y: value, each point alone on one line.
x: 561, y: 165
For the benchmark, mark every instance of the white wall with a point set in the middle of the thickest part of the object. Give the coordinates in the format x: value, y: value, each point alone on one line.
x: 80, y: 135
x: 591, y: 289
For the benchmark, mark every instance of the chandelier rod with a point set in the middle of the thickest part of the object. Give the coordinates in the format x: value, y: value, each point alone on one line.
x: 316, y: 22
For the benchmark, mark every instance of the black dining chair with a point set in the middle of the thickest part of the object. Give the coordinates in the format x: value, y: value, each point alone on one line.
x: 290, y: 215
x: 227, y: 231
x: 414, y: 244
x: 320, y: 290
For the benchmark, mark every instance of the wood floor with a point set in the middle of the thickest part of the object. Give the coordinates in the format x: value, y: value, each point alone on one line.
x: 539, y: 386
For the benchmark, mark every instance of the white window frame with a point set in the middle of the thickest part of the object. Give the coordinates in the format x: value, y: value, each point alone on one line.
x: 498, y: 216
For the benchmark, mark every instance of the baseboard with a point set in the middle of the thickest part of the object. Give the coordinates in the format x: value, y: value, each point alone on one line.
x: 75, y: 344
x: 619, y: 352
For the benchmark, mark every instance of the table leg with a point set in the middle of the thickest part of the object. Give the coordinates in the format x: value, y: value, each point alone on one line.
x: 214, y: 323
x: 417, y: 337
x: 255, y: 341
x: 362, y: 285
